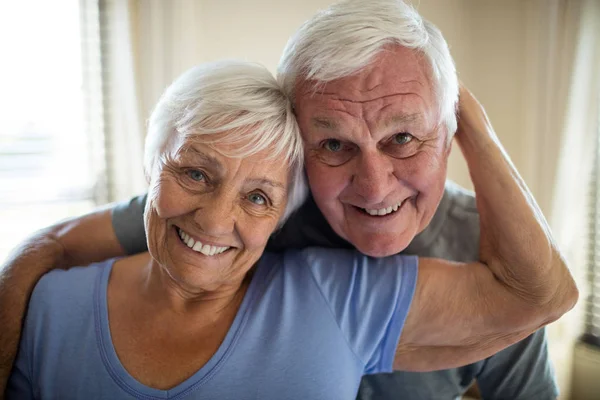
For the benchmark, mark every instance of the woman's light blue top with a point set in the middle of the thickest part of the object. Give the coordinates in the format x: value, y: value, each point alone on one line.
x: 312, y: 323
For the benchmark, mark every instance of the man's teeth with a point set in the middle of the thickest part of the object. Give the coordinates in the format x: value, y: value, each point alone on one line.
x: 383, y: 211
x: 196, y: 245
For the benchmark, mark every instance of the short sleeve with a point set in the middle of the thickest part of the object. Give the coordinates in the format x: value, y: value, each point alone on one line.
x: 368, y: 297
x: 128, y: 224
x: 521, y: 371
x: 59, y: 302
x: 19, y: 385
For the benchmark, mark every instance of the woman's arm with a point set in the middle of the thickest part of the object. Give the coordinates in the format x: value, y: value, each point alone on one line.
x: 78, y: 241
x: 466, y: 312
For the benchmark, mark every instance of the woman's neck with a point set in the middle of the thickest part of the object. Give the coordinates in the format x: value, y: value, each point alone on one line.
x: 165, y: 295
x: 154, y: 322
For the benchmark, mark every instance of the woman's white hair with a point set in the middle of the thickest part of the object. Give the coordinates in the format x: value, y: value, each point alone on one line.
x: 229, y: 102
x: 339, y: 41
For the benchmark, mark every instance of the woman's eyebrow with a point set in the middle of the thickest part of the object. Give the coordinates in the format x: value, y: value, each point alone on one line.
x: 266, y: 182
x: 193, y: 153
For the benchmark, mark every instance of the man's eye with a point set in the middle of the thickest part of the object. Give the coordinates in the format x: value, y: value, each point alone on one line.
x: 196, y: 175
x: 402, y: 138
x: 257, y: 199
x: 333, y: 145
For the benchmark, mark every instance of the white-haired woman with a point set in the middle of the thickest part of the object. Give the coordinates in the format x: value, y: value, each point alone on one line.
x: 205, y: 314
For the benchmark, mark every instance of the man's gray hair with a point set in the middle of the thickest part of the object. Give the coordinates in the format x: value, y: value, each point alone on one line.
x: 339, y: 41
x: 231, y: 102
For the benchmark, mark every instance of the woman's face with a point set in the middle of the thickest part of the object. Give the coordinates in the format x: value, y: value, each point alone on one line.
x: 209, y: 216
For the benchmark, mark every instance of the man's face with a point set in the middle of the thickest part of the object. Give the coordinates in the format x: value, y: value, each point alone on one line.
x: 376, y: 152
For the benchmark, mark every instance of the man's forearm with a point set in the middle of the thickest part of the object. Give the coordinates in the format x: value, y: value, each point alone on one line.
x: 77, y: 241
x: 516, y: 243
x: 18, y: 276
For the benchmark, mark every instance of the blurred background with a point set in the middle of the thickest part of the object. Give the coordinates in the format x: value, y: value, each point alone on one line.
x: 79, y: 78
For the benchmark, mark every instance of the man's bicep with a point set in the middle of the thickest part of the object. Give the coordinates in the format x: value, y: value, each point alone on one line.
x: 88, y: 238
x: 110, y: 231
x: 418, y: 358
x: 460, y: 314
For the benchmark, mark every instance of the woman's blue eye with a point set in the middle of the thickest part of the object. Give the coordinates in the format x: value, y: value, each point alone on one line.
x: 402, y: 138
x: 257, y: 199
x: 196, y: 175
x: 333, y: 145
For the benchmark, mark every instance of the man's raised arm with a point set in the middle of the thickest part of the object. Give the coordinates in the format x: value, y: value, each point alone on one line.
x: 462, y: 313
x: 78, y: 241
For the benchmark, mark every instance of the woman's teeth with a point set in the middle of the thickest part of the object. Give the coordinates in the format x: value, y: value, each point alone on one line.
x: 383, y: 211
x: 196, y: 245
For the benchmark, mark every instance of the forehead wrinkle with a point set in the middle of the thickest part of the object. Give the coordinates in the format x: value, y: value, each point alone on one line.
x: 375, y: 87
x: 337, y: 97
x: 326, y: 123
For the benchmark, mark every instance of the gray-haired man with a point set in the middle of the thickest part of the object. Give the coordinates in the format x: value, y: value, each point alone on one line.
x: 375, y: 91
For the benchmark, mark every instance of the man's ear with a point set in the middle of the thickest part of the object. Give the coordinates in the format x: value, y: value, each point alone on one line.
x: 449, y: 146
x: 448, y: 142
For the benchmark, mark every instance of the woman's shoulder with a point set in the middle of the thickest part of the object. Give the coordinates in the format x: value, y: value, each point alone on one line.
x: 342, y: 265
x: 320, y: 256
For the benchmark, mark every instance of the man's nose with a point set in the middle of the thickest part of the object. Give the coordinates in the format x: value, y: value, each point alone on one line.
x: 218, y: 215
x: 372, y: 177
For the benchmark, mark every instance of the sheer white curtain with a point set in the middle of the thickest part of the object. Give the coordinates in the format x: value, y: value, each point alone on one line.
x: 148, y: 43
x: 124, y: 121
x: 563, y: 83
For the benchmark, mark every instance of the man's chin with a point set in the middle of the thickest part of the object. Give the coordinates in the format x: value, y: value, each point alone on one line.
x: 381, y: 248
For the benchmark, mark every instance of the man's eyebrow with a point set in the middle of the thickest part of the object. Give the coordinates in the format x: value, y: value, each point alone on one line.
x: 398, y: 119
x: 326, y: 123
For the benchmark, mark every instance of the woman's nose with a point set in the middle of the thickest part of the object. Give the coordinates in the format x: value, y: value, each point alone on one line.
x: 217, y: 216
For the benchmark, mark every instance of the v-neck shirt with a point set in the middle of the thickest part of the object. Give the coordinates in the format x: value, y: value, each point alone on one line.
x: 311, y: 324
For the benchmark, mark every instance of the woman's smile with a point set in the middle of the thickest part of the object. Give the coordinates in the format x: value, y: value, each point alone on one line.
x: 196, y: 245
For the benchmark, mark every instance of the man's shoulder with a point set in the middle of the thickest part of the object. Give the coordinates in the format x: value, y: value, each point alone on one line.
x: 462, y: 201
x: 454, y: 230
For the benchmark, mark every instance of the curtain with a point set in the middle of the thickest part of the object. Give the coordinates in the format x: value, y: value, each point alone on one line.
x: 563, y: 83
x: 124, y: 121
x: 146, y: 45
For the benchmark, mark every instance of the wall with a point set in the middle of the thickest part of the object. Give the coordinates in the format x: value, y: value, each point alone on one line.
x: 488, y: 40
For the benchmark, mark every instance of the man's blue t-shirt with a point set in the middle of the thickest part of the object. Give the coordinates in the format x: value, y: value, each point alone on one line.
x: 311, y: 324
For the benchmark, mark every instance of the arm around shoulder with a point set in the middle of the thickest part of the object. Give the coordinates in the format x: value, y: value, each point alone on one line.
x: 77, y: 241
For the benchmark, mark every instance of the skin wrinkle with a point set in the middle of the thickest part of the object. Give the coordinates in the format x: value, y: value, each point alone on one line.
x: 400, y: 81
x: 367, y: 100
x: 371, y: 177
x: 323, y: 122
x: 237, y: 177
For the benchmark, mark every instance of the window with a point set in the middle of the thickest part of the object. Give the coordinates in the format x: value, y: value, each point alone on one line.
x: 592, y: 302
x: 51, y: 119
